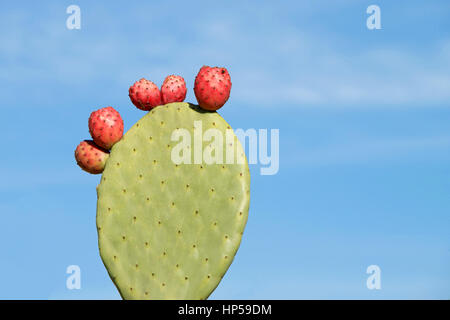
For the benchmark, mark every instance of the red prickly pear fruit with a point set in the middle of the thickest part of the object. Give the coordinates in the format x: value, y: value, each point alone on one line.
x: 173, y: 89
x: 106, y: 127
x: 212, y: 87
x: 145, y: 95
x: 90, y: 157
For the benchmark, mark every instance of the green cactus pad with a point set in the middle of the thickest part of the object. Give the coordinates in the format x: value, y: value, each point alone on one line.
x: 170, y: 230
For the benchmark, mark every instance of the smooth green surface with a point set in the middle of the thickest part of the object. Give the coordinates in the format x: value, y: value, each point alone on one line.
x: 169, y: 231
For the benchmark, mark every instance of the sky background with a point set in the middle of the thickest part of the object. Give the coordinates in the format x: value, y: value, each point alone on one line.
x: 364, y: 138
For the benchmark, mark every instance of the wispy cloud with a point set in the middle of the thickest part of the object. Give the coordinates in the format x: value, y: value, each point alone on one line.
x: 276, y: 62
x: 370, y: 151
x: 381, y: 78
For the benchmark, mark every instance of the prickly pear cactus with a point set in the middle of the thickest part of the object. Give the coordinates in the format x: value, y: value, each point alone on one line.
x: 168, y: 230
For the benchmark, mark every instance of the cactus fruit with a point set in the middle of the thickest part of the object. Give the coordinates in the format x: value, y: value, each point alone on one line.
x: 212, y: 87
x: 90, y: 157
x: 106, y: 127
x: 145, y: 95
x: 173, y: 89
x: 169, y: 230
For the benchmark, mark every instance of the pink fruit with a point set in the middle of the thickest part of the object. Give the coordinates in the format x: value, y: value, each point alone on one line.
x: 145, y: 95
x: 212, y: 87
x: 90, y: 157
x: 173, y: 89
x: 106, y: 127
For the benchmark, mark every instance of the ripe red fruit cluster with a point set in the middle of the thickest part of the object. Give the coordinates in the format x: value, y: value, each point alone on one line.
x: 145, y: 95
x: 106, y: 129
x: 212, y: 89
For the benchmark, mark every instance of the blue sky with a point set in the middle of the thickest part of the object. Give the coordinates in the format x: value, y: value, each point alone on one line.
x: 364, y: 138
